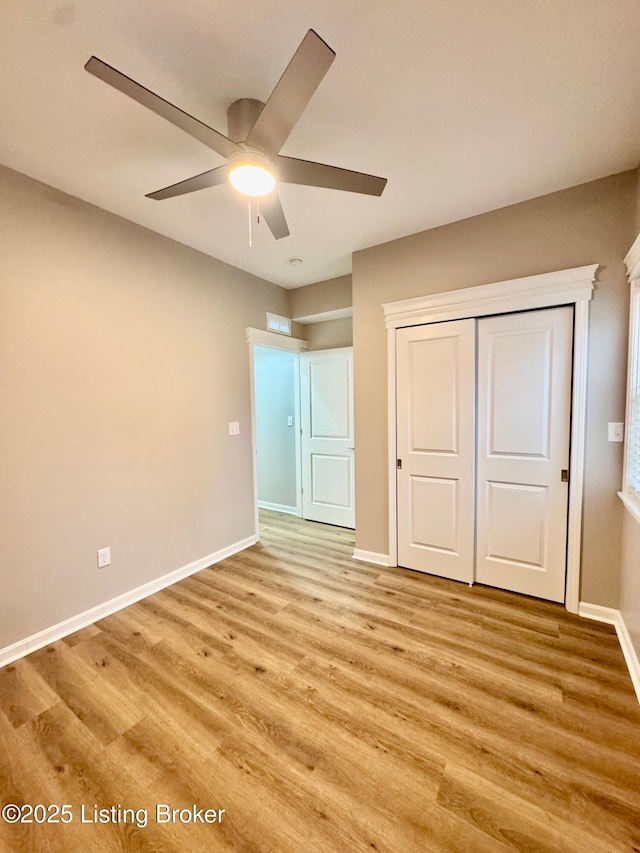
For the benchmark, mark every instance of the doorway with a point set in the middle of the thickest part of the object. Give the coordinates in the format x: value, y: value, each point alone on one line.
x: 277, y: 429
x: 302, y: 429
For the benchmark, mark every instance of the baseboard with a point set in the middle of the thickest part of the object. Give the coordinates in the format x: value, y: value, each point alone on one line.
x: 88, y: 617
x: 288, y: 510
x: 371, y: 557
x: 615, y: 618
x: 598, y: 613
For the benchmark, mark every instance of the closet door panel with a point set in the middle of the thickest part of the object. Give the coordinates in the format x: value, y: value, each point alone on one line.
x: 435, y: 448
x: 524, y: 405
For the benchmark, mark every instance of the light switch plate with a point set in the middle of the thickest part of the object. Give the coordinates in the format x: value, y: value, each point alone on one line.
x: 616, y: 432
x: 234, y: 428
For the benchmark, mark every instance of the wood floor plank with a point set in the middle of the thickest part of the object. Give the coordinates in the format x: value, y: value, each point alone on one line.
x: 102, y: 709
x: 24, y: 693
x: 328, y: 705
x: 522, y: 825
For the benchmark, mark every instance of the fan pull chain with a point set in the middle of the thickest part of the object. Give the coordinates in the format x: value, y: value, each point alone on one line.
x: 257, y: 201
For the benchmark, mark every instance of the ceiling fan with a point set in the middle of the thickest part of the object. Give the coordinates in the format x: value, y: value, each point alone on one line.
x: 257, y: 133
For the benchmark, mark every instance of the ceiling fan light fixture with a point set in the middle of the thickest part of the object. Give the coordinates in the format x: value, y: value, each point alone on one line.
x: 252, y: 174
x: 253, y: 128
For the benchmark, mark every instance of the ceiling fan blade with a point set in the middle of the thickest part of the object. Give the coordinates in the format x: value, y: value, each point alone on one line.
x: 292, y: 93
x: 271, y: 209
x: 199, y: 182
x: 202, y: 132
x: 310, y: 174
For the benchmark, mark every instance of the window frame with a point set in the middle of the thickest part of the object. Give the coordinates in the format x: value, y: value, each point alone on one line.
x: 630, y: 494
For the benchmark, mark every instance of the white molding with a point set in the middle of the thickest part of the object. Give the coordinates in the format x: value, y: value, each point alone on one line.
x: 577, y: 456
x: 598, y: 613
x: 632, y: 506
x: 615, y: 618
x: 632, y: 259
x: 392, y: 439
x: 288, y: 510
x: 630, y: 654
x: 262, y: 338
x: 88, y: 617
x: 297, y: 439
x: 371, y: 557
x: 254, y: 445
x: 563, y: 287
x: 324, y: 316
x: 632, y: 262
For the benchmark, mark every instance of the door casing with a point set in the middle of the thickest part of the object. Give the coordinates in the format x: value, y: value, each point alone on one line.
x: 564, y: 287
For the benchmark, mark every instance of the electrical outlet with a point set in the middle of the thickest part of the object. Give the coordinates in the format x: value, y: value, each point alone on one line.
x: 104, y: 557
x: 289, y: 420
x: 615, y: 432
x: 234, y: 428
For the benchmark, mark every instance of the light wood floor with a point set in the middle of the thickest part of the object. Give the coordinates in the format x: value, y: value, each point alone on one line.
x: 327, y: 705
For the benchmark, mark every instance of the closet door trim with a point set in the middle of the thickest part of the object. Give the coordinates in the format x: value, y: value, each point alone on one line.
x: 564, y: 287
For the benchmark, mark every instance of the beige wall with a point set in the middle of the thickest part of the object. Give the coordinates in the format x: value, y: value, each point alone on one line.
x: 589, y: 224
x: 630, y: 578
x: 330, y: 334
x: 297, y: 329
x: 123, y: 356
x: 331, y: 295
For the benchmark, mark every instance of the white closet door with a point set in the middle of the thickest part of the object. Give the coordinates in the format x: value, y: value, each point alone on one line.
x: 524, y: 405
x: 435, y: 446
x: 326, y: 399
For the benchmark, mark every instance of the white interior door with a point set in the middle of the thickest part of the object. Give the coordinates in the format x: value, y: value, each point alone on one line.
x: 326, y: 397
x: 435, y: 447
x: 524, y: 407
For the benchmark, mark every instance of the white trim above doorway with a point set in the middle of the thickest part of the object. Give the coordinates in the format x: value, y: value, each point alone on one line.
x: 564, y: 287
x: 262, y: 338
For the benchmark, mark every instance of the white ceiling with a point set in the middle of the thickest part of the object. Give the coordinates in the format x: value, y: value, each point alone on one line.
x: 464, y: 105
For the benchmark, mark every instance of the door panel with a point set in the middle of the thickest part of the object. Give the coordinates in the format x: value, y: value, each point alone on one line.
x: 433, y: 428
x: 524, y: 400
x: 518, y: 408
x: 331, y: 480
x: 437, y: 528
x: 330, y: 409
x: 516, y: 523
x: 326, y: 395
x: 435, y: 443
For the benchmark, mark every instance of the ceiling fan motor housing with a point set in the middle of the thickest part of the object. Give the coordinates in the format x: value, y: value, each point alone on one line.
x: 241, y: 116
